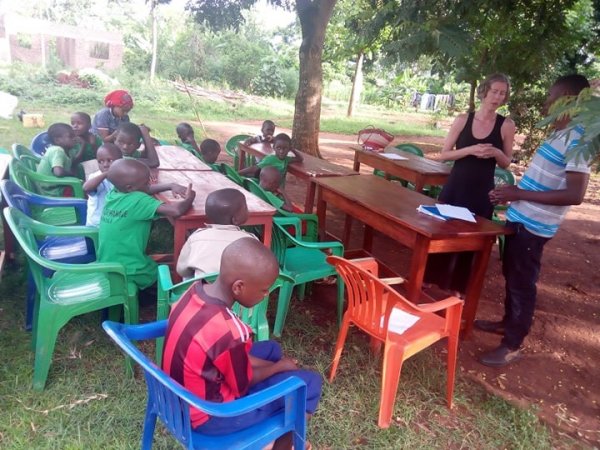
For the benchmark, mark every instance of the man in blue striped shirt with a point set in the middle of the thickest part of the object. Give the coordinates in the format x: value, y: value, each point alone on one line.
x: 553, y: 182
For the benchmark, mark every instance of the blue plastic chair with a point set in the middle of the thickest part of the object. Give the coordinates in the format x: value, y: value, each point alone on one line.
x: 64, y: 249
x: 171, y: 402
x: 40, y: 143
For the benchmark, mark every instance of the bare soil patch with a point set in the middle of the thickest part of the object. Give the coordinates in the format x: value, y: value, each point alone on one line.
x: 559, y: 373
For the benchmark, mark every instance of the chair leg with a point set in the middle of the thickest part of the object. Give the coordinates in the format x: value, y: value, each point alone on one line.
x: 31, y: 293
x: 301, y: 290
x: 340, y: 299
x: 283, y: 304
x: 162, y: 312
x: 392, y: 365
x: 339, y: 347
x: 148, y: 432
x: 452, y: 354
x: 47, y: 332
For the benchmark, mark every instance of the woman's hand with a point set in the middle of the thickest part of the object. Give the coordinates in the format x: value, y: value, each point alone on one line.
x: 485, y: 151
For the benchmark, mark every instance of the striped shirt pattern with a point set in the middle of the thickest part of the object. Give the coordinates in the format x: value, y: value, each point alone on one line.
x: 206, y: 349
x: 547, y: 172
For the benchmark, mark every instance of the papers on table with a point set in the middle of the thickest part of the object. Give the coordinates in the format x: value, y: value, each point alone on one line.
x: 394, y: 156
x: 444, y: 212
x: 400, y: 321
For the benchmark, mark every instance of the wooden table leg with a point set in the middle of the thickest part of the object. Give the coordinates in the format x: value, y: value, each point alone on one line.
x: 356, y: 166
x: 476, y: 279
x: 417, y: 268
x: 241, y: 159
x: 321, y: 214
x: 419, y: 184
x: 368, y: 238
x: 310, y: 196
x: 268, y: 232
x: 347, y: 230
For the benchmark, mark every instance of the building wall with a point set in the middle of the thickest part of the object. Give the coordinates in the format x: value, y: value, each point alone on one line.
x: 22, y: 39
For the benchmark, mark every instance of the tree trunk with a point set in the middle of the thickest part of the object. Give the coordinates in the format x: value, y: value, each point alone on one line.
x: 154, y: 39
x: 356, y: 84
x: 472, y: 96
x: 314, y: 16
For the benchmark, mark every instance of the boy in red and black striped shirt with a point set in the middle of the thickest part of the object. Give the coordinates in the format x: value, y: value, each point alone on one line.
x: 209, y: 350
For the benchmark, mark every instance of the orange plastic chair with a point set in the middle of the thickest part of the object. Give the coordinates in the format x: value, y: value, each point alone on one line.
x: 370, y: 303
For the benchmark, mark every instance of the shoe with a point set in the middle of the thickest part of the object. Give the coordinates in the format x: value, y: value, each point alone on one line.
x: 500, y: 356
x: 490, y: 326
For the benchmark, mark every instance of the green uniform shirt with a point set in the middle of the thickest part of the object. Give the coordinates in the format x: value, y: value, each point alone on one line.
x: 124, y: 232
x: 55, y: 156
x: 279, y: 164
x: 89, y: 153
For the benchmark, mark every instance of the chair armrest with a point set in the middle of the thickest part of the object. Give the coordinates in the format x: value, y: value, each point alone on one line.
x: 165, y: 283
x: 39, y: 228
x: 79, y: 204
x: 393, y: 280
x: 369, y: 264
x: 82, y: 269
x: 74, y: 183
x: 439, y: 305
x: 290, y: 221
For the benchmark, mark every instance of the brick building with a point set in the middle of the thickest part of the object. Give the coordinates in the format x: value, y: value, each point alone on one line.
x: 35, y: 41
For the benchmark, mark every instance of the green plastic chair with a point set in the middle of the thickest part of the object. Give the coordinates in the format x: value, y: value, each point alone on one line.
x: 29, y: 180
x: 303, y: 262
x: 231, y: 147
x: 501, y: 177
x: 232, y: 174
x: 66, y: 290
x: 310, y: 221
x: 26, y: 156
x: 168, y: 293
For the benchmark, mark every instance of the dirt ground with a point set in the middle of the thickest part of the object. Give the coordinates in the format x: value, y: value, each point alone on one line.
x: 559, y: 371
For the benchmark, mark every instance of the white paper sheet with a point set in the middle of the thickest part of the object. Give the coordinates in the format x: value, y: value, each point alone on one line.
x: 394, y: 156
x: 400, y: 321
x: 456, y: 212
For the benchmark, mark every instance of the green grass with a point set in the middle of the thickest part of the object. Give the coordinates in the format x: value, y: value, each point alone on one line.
x: 89, y: 404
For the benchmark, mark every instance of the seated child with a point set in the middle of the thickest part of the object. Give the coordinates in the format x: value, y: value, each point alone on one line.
x: 81, y: 124
x: 213, y: 355
x: 282, y: 145
x: 97, y: 186
x: 129, y: 137
x: 209, y: 150
x: 127, y: 217
x: 226, y: 210
x: 56, y: 161
x: 270, y: 181
x: 267, y: 130
x: 185, y: 133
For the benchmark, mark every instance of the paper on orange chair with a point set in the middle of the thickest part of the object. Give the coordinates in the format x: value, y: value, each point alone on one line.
x: 400, y: 321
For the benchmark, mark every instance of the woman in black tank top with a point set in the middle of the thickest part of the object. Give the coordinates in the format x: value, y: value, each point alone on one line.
x: 482, y: 140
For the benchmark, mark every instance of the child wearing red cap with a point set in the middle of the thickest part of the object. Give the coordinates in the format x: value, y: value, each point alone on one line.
x: 106, y: 121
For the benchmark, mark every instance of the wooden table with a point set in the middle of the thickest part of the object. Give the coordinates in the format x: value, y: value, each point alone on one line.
x: 173, y: 157
x: 205, y: 182
x: 416, y: 169
x: 308, y: 170
x: 392, y: 210
x: 9, y: 239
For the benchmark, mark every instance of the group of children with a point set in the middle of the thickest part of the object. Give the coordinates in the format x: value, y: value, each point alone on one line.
x: 121, y: 205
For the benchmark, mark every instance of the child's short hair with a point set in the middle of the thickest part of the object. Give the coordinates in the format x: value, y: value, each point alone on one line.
x: 112, y: 150
x: 486, y: 85
x: 282, y: 137
x: 131, y: 130
x: 85, y: 116
x: 184, y: 126
x: 269, y: 177
x: 222, y: 205
x: 210, y: 150
x: 267, y: 123
x: 56, y: 130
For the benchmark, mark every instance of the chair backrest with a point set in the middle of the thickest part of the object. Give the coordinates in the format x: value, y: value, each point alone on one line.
x: 15, y: 196
x: 253, y: 186
x: 409, y: 148
x: 231, y: 173
x: 232, y: 143
x: 370, y: 300
x: 503, y: 177
x: 26, y: 156
x: 251, y: 316
x: 171, y: 402
x: 40, y: 143
x: 19, y: 173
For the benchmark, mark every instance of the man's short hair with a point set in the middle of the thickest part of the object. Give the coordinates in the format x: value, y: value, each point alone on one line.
x: 574, y: 83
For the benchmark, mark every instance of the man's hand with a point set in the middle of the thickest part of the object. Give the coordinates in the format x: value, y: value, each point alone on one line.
x: 505, y: 194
